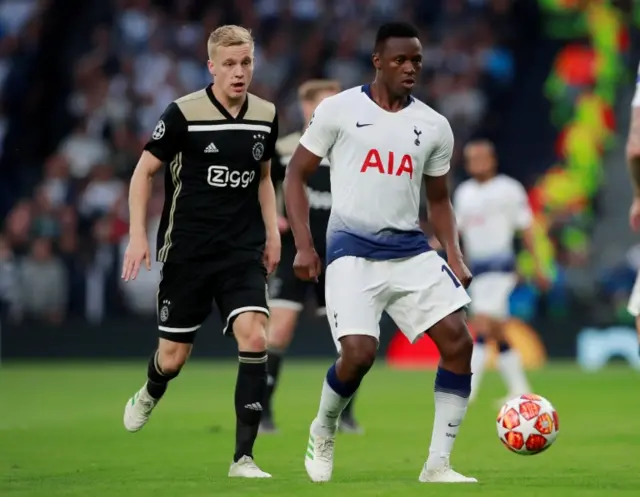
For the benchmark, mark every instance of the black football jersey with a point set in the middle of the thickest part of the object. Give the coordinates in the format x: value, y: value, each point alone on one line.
x: 318, y: 189
x: 211, y: 206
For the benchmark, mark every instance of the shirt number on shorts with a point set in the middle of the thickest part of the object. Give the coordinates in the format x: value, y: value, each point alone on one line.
x: 445, y: 269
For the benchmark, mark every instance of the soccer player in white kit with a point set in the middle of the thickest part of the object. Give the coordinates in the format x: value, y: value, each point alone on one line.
x: 491, y: 209
x: 382, y: 144
x: 633, y: 162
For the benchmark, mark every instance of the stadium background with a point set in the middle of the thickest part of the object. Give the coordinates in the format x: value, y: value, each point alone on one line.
x: 83, y: 83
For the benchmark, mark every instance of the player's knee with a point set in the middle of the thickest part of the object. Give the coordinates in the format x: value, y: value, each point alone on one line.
x: 358, y: 353
x: 172, y: 356
x: 459, y: 343
x: 281, y: 327
x: 249, y: 329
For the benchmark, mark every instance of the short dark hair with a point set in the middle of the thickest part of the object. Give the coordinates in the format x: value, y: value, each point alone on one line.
x: 394, y: 30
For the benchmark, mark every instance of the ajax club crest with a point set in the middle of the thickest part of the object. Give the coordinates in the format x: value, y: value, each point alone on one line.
x: 258, y: 147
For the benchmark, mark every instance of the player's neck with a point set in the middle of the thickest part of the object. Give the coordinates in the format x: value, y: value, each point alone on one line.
x: 233, y: 105
x: 484, y: 179
x: 384, y: 99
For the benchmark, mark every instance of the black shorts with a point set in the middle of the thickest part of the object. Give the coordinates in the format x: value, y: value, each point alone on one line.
x: 286, y: 291
x: 188, y: 290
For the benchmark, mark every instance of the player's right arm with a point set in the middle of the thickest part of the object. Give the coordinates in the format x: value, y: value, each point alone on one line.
x: 161, y: 148
x: 315, y: 143
x: 633, y: 156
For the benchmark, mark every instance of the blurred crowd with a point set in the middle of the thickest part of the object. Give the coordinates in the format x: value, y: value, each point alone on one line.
x: 61, y: 244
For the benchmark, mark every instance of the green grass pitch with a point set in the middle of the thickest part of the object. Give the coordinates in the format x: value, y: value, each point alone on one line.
x: 61, y: 434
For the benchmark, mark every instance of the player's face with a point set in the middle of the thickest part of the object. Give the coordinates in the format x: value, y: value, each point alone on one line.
x: 232, y: 69
x: 480, y: 161
x: 309, y: 106
x: 400, y: 63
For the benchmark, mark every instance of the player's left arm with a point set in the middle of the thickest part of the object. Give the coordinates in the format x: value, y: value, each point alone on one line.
x: 523, y: 220
x: 267, y: 199
x: 633, y: 156
x: 440, y: 209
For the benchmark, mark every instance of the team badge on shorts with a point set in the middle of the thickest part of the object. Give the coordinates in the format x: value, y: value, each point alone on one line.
x: 164, y: 314
x: 158, y: 131
x: 258, y: 147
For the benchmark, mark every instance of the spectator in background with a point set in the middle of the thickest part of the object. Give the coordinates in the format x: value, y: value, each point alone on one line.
x: 149, y: 51
x: 43, y: 283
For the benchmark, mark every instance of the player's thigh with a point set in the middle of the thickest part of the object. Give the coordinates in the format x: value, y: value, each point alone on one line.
x: 424, y: 291
x: 282, y: 324
x: 634, y: 299
x: 319, y: 292
x: 286, y: 291
x: 355, y: 292
x: 184, y: 301
x: 490, y: 293
x: 241, y: 296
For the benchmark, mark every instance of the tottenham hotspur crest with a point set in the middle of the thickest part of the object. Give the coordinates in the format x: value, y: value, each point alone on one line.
x: 418, y: 133
x: 258, y: 147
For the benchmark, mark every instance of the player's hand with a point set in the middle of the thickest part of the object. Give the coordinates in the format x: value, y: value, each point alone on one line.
x: 137, y: 252
x: 271, y: 256
x: 461, y: 271
x: 634, y: 214
x: 307, y: 264
x: 283, y: 224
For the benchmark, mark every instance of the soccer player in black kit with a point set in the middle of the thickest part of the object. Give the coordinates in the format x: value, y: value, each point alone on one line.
x: 287, y: 293
x: 218, y: 236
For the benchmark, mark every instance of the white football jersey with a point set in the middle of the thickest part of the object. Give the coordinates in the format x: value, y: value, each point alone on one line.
x: 636, y: 97
x: 489, y: 215
x: 378, y: 159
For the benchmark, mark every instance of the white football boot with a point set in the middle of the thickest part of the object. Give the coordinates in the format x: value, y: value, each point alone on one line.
x: 138, y: 410
x: 318, y: 459
x: 246, y: 468
x: 443, y: 474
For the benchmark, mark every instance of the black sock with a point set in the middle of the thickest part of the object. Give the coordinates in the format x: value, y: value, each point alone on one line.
x: 157, y: 380
x: 250, y: 392
x: 348, y: 411
x: 273, y: 371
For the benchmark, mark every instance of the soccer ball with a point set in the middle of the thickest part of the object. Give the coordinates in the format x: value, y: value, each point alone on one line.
x: 528, y: 424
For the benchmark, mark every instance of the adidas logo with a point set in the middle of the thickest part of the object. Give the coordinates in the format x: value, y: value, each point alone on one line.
x: 255, y: 406
x: 211, y: 148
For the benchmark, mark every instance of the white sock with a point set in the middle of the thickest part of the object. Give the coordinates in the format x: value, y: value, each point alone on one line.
x: 512, y: 371
x: 450, y: 411
x: 331, y: 406
x: 478, y: 363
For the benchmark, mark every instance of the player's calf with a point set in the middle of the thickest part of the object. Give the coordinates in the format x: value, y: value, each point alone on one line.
x: 281, y: 327
x: 164, y: 365
x: 250, y: 331
x: 343, y: 378
x: 452, y: 389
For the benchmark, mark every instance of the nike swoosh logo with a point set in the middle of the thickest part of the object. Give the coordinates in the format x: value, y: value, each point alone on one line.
x: 358, y: 125
x: 453, y: 426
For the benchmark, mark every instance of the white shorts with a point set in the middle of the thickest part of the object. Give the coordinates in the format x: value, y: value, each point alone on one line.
x: 416, y: 292
x: 490, y: 294
x: 634, y: 299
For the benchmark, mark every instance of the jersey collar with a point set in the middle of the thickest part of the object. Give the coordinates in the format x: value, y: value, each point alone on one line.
x: 366, y: 89
x: 222, y: 108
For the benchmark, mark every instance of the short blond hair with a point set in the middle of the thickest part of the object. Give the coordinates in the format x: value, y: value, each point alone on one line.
x: 229, y: 35
x: 309, y: 90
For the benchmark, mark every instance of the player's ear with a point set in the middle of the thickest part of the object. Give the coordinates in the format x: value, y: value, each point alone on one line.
x: 375, y: 58
x: 211, y: 67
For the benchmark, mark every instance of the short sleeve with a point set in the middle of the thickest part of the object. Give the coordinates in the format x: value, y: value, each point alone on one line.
x: 438, y: 163
x: 270, y: 148
x: 523, y: 217
x: 636, y: 97
x: 167, y: 136
x: 322, y: 131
